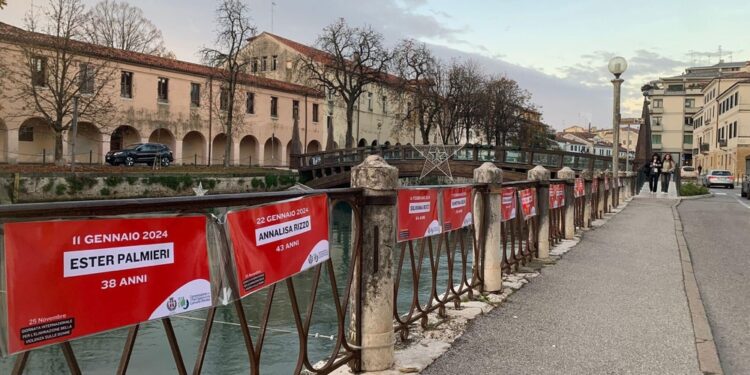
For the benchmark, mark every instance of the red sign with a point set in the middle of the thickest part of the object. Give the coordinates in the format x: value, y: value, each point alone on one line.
x: 68, y: 279
x: 276, y: 241
x: 579, y: 189
x: 456, y: 208
x: 556, y: 195
x: 508, y: 203
x: 417, y: 214
x: 528, y: 202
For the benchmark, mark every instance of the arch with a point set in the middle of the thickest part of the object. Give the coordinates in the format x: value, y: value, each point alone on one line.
x: 335, y: 147
x: 122, y: 136
x: 88, y: 143
x: 194, y: 148
x: 218, y: 149
x: 375, y: 142
x: 272, y: 152
x: 35, y: 140
x: 362, y: 143
x: 387, y: 144
x: 3, y: 142
x: 249, y: 150
x: 313, y: 146
x: 288, y: 153
x: 163, y: 136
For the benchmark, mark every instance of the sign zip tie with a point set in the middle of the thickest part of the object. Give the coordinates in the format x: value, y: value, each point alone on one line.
x: 316, y: 335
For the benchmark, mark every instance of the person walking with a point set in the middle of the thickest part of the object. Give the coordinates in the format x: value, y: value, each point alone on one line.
x: 667, y: 168
x: 654, y: 170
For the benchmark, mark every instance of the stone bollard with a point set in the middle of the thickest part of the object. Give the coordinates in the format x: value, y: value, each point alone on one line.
x: 379, y: 181
x: 608, y: 203
x: 623, y: 192
x: 587, y: 175
x: 489, y: 173
x: 630, y: 181
x: 542, y: 175
x: 600, y: 192
x: 570, y: 226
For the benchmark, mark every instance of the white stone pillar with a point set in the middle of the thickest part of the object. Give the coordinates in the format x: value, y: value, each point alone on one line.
x: 12, y: 146
x: 570, y: 226
x: 235, y: 158
x: 542, y: 175
x: 489, y: 173
x: 379, y: 180
x: 600, y: 191
x: 586, y: 175
x: 177, y: 152
x: 105, y: 148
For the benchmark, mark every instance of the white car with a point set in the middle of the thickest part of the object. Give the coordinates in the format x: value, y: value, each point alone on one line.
x: 719, y: 177
x: 688, y: 172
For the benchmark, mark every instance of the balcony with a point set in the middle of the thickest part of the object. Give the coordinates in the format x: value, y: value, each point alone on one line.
x: 704, y: 148
x: 691, y: 110
x: 722, y: 143
x: 657, y: 110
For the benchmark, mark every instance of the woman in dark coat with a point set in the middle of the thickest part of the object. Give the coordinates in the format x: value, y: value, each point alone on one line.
x: 654, y: 168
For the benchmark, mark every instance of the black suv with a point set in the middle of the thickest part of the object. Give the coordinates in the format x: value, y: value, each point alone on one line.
x: 146, y: 153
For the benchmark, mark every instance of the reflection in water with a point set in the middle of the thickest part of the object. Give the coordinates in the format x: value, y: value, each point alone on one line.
x: 226, y: 353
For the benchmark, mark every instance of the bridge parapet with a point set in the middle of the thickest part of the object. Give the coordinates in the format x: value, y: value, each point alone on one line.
x: 463, y: 260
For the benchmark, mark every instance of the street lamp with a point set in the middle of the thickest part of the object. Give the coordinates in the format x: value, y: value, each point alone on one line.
x: 617, y: 66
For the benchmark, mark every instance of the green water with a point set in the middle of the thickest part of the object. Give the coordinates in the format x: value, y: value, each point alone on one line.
x: 100, y: 354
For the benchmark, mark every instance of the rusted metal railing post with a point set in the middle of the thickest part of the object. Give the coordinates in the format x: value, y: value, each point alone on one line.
x: 598, y: 176
x: 489, y: 218
x: 379, y: 181
x: 569, y: 176
x: 542, y: 175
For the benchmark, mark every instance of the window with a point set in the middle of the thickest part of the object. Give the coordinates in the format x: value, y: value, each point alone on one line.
x: 126, y: 84
x: 39, y: 71
x: 737, y: 98
x: 658, y: 103
x: 315, y: 112
x: 250, y: 103
x: 264, y: 63
x: 26, y: 134
x: 274, y: 106
x: 295, y: 109
x: 385, y: 104
x: 657, y: 121
x: 195, y: 94
x: 274, y: 62
x: 254, y: 65
x: 689, y: 103
x: 369, y: 101
x: 734, y: 126
x: 656, y: 139
x: 688, y: 120
x: 687, y: 139
x: 224, y: 99
x: 163, y: 89
x: 86, y: 78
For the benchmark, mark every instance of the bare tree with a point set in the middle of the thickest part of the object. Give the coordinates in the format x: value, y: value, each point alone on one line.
x: 3, y: 4
x: 121, y: 25
x: 505, y: 106
x: 230, y: 59
x: 353, y: 58
x: 54, y: 71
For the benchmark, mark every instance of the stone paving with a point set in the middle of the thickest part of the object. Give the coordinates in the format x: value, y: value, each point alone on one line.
x: 614, y: 305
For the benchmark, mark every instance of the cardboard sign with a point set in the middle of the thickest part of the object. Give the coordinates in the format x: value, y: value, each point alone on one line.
x: 456, y: 208
x: 560, y: 192
x: 276, y: 241
x: 579, y: 189
x: 72, y: 278
x: 508, y: 203
x: 528, y: 202
x: 556, y: 196
x: 417, y: 214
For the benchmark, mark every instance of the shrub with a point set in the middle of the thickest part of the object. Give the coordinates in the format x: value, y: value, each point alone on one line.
x: 49, y: 185
x: 132, y: 180
x: 272, y: 181
x: 60, y: 189
x: 77, y: 184
x: 690, y: 189
x: 104, y: 192
x: 113, y: 181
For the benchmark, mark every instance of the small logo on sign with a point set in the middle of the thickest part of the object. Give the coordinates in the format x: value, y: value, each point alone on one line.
x: 171, y: 304
x: 184, y: 303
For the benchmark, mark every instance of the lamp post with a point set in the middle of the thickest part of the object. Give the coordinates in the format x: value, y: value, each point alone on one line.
x: 617, y: 66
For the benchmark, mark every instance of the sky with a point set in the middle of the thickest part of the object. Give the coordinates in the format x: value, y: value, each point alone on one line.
x: 556, y: 49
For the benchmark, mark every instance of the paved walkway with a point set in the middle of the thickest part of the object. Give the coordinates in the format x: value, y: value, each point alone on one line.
x: 613, y: 305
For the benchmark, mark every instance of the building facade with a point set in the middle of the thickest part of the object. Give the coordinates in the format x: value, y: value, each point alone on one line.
x: 379, y: 110
x: 156, y: 99
x: 721, y: 135
x: 674, y: 102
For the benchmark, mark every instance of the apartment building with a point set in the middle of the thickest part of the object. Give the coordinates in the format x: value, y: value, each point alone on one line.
x: 721, y: 135
x: 674, y: 102
x: 376, y: 117
x: 156, y: 100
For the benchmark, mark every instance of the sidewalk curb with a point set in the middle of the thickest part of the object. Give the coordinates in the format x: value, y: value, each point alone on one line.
x: 709, y: 195
x: 708, y: 355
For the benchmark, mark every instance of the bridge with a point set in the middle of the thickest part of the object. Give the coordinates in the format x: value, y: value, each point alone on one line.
x: 329, y: 169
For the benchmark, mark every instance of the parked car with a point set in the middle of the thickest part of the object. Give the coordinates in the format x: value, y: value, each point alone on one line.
x: 144, y: 153
x: 688, y: 172
x: 719, y: 177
